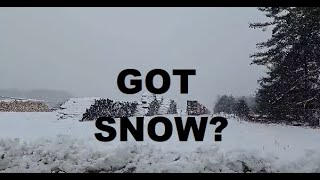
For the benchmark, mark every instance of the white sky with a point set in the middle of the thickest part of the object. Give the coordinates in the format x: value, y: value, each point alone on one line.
x: 82, y: 50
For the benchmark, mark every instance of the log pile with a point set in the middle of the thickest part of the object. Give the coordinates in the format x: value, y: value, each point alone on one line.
x: 109, y: 108
x: 150, y: 105
x: 195, y: 108
x: 23, y: 106
x: 155, y: 105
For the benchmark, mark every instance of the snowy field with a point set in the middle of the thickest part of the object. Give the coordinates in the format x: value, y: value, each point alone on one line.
x: 58, y: 142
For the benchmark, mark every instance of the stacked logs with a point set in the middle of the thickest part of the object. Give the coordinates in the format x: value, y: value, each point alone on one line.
x: 109, y: 108
x: 23, y: 106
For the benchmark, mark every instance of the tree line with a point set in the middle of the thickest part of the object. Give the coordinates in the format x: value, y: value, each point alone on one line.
x: 233, y: 105
x: 290, y: 90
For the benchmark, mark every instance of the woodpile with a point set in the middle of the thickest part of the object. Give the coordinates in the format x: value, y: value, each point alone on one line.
x: 109, y: 108
x: 23, y: 106
x: 195, y: 108
x: 151, y: 105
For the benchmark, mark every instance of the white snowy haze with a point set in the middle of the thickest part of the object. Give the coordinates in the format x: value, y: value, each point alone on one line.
x: 82, y: 50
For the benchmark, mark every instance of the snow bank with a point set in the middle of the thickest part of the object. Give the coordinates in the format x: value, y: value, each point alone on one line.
x: 71, y: 155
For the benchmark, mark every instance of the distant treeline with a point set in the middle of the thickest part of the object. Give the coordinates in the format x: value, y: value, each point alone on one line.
x: 240, y: 106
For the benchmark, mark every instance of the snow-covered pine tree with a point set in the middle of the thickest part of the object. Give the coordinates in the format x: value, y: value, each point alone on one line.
x: 225, y: 104
x: 290, y: 91
x: 241, y: 108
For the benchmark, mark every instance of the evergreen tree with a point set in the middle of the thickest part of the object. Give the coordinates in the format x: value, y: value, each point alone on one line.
x: 290, y: 91
x: 241, y: 108
x: 225, y: 104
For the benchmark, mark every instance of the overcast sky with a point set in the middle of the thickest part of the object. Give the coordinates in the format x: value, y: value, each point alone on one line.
x: 82, y: 50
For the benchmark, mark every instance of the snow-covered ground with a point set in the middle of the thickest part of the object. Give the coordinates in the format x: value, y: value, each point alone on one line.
x: 43, y: 142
